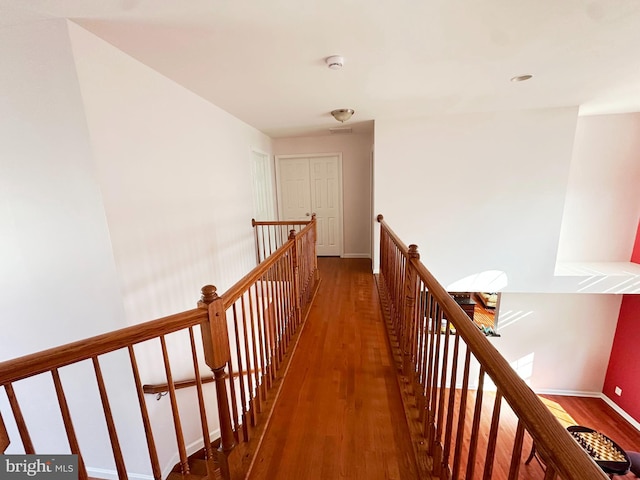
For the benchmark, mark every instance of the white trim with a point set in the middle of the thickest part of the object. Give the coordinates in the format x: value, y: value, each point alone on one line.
x: 192, y: 448
x: 113, y: 475
x: 567, y: 393
x: 356, y: 255
x: 108, y: 474
x: 622, y: 413
x: 340, y: 189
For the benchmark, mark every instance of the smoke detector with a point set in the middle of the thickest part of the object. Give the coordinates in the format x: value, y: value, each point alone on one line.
x: 335, y: 62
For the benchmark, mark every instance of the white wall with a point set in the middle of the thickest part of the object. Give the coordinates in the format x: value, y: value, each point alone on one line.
x: 603, y: 199
x: 560, y: 343
x: 478, y: 192
x: 175, y: 175
x: 121, y: 194
x: 57, y: 267
x: 58, y: 277
x: 487, y: 192
x: 356, y: 179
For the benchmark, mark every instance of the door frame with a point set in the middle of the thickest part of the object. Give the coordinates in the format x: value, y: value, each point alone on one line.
x: 340, y: 188
x: 271, y: 183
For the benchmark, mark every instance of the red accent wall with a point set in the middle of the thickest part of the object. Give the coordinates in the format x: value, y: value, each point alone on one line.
x: 624, y: 362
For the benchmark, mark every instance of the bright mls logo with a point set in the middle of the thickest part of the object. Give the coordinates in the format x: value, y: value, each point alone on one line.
x: 51, y: 467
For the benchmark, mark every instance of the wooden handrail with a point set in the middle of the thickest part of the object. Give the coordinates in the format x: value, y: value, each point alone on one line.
x: 36, y: 363
x: 241, y: 286
x: 263, y: 309
x: 561, y: 453
x: 156, y: 388
x: 279, y: 222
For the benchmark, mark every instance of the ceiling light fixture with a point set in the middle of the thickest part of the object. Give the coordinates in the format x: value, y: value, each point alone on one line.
x: 335, y: 62
x: 342, y: 114
x: 521, y: 78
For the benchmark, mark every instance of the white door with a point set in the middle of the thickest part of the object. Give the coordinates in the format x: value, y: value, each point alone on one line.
x: 313, y: 184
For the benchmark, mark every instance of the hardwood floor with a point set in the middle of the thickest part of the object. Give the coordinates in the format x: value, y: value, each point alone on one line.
x: 340, y: 412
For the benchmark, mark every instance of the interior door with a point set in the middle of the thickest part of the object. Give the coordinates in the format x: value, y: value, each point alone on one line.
x: 295, y: 195
x: 309, y: 185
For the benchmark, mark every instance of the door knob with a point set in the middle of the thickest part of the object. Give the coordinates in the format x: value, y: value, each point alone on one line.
x: 307, y: 214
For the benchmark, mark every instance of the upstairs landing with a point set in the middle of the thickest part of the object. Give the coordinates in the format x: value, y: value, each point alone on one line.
x: 340, y: 413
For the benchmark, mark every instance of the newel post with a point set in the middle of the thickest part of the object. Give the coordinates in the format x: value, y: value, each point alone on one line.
x: 409, y: 320
x: 215, y: 340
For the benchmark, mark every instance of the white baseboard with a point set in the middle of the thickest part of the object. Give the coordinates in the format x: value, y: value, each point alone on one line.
x: 568, y: 393
x: 113, y: 474
x: 622, y: 413
x: 356, y: 255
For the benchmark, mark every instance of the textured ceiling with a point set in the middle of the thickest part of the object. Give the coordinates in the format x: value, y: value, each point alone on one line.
x: 263, y: 61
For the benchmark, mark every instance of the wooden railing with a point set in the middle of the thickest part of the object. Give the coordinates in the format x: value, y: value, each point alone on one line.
x: 270, y: 236
x: 249, y: 329
x: 446, y: 370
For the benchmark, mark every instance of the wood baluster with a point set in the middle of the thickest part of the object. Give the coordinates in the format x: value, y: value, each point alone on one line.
x: 204, y: 424
x: 264, y: 244
x: 255, y: 345
x: 434, y: 388
x: 4, y: 436
x: 493, y: 438
x: 261, y: 378
x: 215, y: 339
x: 111, y: 426
x: 273, y: 322
x: 516, y: 455
x: 68, y: 424
x: 247, y: 355
x: 266, y: 318
x: 271, y: 249
x: 264, y: 335
x: 241, y: 385
x: 461, y: 416
x: 442, y: 390
x: 146, y: 422
x: 475, y: 429
x: 425, y: 302
x: 451, y: 406
x: 177, y: 424
x: 19, y: 419
x: 286, y: 294
x: 282, y: 335
x: 431, y: 373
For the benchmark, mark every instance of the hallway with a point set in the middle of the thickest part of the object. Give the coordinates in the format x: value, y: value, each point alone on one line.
x: 340, y: 413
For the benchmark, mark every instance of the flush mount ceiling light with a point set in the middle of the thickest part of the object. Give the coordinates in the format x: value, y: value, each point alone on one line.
x: 521, y: 78
x: 335, y: 62
x: 342, y: 114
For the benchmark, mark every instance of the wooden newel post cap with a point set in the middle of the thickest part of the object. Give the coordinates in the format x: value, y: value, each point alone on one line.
x: 379, y: 218
x: 253, y: 222
x: 292, y: 234
x: 208, y: 294
x: 413, y: 251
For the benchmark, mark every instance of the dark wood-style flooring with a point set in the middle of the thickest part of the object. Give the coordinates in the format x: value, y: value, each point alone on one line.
x: 340, y: 414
